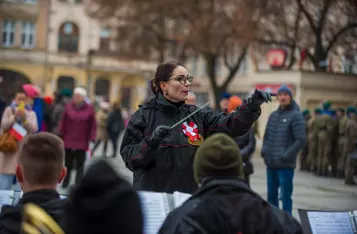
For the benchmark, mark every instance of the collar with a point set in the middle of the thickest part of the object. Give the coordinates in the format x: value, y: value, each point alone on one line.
x: 163, y: 102
x: 39, y: 196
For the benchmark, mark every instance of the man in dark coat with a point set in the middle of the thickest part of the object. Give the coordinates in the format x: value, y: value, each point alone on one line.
x: 39, y: 170
x: 284, y: 137
x: 224, y: 203
x: 304, y: 153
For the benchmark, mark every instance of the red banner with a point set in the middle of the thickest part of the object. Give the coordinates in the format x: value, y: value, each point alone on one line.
x: 276, y: 58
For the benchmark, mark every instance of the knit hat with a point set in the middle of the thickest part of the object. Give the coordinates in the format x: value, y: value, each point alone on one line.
x: 66, y: 92
x: 326, y: 105
x: 233, y: 103
x: 305, y: 112
x: 318, y: 110
x: 31, y: 90
x: 225, y: 95
x: 351, y: 109
x: 285, y: 89
x: 217, y: 156
x: 80, y: 91
x: 103, y: 202
x: 48, y: 100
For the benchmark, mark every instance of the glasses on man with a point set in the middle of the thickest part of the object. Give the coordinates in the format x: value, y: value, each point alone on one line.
x: 182, y: 79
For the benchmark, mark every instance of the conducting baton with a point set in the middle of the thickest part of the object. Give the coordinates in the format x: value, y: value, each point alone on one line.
x: 183, y: 120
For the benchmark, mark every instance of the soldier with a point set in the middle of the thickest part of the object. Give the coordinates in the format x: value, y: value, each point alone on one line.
x: 304, y: 153
x: 325, y: 126
x: 340, y: 154
x: 351, y: 141
x: 333, y: 161
x: 312, y: 139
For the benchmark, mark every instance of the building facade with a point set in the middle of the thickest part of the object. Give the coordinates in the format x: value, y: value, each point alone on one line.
x: 55, y: 44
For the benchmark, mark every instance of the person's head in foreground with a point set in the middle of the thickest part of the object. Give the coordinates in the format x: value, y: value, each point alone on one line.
x: 218, y: 157
x: 284, y: 96
x: 173, y: 81
x: 41, y: 162
x: 191, y: 98
x: 79, y: 95
x: 103, y: 202
x: 233, y: 103
x: 224, y: 203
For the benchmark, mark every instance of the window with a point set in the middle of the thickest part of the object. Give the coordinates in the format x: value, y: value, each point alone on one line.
x: 8, y: 33
x: 28, y: 35
x: 30, y: 1
x: 68, y: 37
x: 65, y: 82
x: 104, y: 39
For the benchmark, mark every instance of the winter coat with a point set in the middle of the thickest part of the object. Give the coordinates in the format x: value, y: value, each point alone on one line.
x: 228, y: 206
x: 246, y: 144
x: 169, y: 168
x: 284, y: 137
x: 115, y: 124
x: 57, y: 113
x: 102, y: 122
x: 8, y: 161
x: 48, y: 200
x: 78, y: 126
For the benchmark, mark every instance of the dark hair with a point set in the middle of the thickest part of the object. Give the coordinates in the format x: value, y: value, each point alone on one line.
x: 163, y: 73
x: 116, y: 106
x: 41, y: 156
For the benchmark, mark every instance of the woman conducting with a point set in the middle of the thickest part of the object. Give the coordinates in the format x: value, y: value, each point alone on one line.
x: 161, y: 158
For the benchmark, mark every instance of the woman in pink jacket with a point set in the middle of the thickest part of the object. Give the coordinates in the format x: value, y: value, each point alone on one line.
x: 77, y: 129
x: 27, y: 119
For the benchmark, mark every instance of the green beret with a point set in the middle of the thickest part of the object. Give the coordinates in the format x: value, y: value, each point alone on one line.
x: 66, y: 92
x: 351, y: 109
x: 305, y: 112
x: 326, y: 105
x: 318, y: 110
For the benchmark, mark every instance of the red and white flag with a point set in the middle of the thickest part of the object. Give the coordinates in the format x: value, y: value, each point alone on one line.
x: 18, y: 131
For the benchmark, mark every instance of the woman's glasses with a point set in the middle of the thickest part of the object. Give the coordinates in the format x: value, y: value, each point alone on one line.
x: 182, y: 79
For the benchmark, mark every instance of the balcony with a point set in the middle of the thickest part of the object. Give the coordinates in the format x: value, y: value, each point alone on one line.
x: 19, y: 9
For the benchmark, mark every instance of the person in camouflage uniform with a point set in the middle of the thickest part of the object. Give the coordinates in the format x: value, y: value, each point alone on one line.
x: 333, y: 160
x: 325, y: 126
x: 340, y: 154
x: 351, y: 141
x: 312, y: 132
x: 305, y: 151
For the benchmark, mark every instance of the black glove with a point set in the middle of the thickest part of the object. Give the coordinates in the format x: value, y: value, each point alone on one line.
x: 258, y: 98
x: 158, y: 135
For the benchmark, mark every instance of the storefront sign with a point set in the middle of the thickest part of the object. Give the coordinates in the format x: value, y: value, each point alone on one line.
x: 276, y: 58
x: 273, y: 88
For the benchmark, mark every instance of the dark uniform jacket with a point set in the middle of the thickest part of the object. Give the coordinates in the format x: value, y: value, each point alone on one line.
x: 170, y: 167
x: 48, y: 200
x: 246, y: 144
x: 228, y: 206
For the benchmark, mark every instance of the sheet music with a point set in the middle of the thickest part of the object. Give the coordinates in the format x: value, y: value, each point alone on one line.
x: 180, y: 198
x: 330, y: 222
x: 154, y: 210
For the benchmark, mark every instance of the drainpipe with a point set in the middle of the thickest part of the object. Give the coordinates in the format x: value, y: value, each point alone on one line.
x: 46, y: 75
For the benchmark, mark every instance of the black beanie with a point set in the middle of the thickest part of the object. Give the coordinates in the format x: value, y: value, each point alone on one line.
x: 218, y: 155
x: 103, y: 202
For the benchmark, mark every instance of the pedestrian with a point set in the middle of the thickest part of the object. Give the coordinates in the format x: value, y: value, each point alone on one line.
x: 160, y: 156
x: 312, y: 133
x: 61, y: 100
x: 115, y: 126
x: 304, y: 153
x: 334, y: 144
x: 325, y: 126
x: 284, y: 137
x: 77, y: 129
x: 223, y: 202
x: 351, y: 143
x: 102, y: 123
x: 341, y: 115
x: 246, y: 143
x: 223, y: 103
x: 16, y: 113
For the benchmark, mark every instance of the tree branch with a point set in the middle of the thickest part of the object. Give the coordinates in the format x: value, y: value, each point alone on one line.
x: 338, y: 34
x: 321, y: 21
x: 308, y: 16
x: 233, y: 70
x: 273, y: 42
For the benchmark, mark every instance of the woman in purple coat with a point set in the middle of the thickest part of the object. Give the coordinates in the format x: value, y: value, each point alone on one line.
x: 77, y: 129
